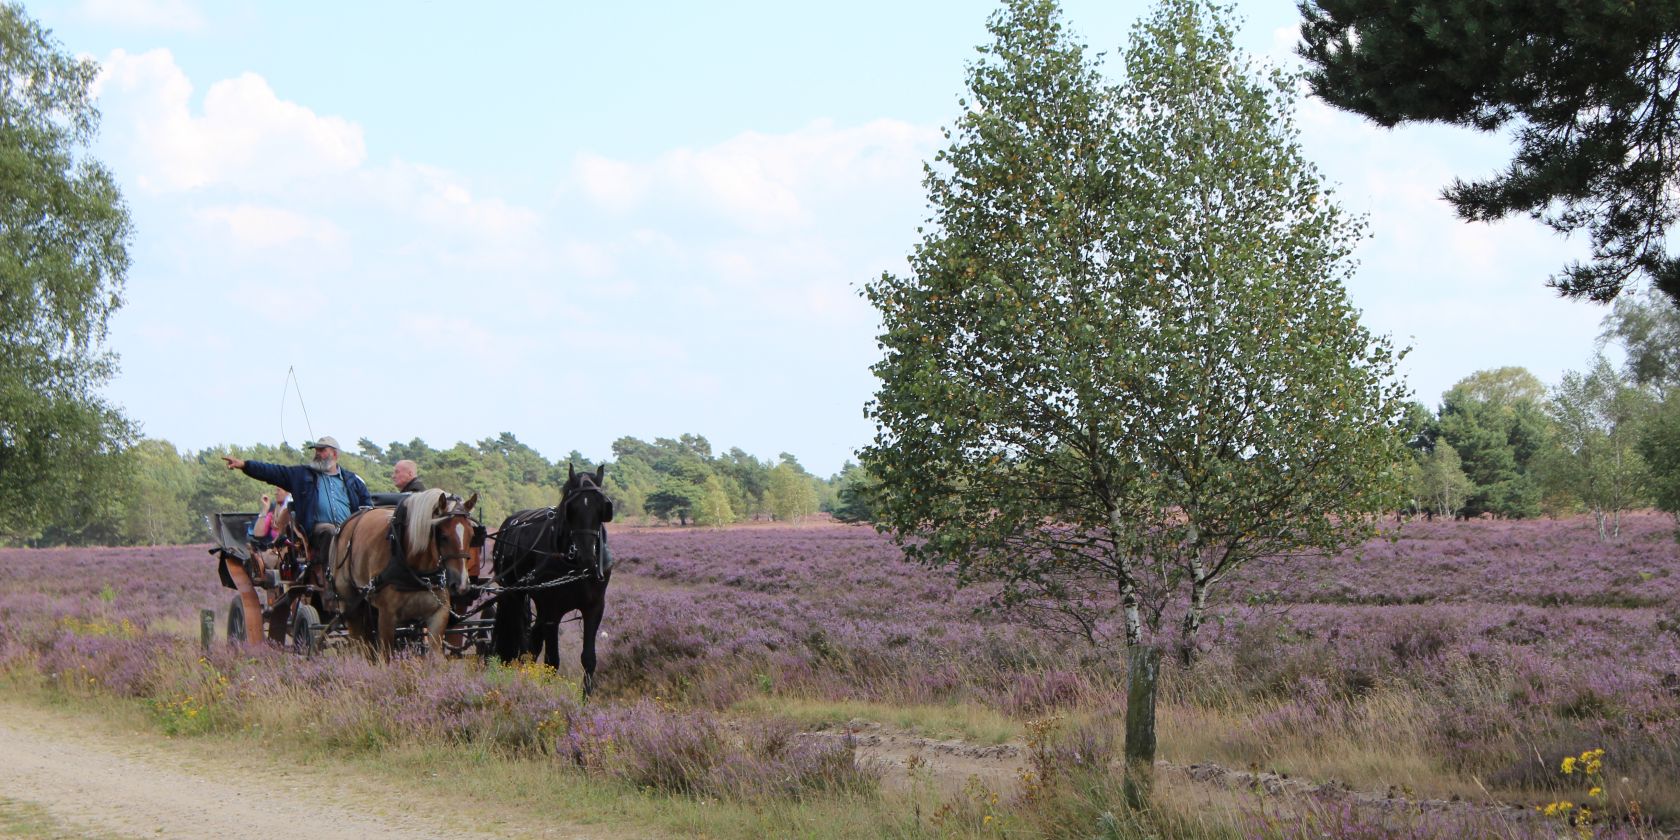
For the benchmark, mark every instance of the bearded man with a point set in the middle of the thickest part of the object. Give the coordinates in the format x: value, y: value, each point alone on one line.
x: 323, y: 493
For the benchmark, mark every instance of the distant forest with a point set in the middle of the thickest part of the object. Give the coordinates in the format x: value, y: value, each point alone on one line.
x: 164, y: 494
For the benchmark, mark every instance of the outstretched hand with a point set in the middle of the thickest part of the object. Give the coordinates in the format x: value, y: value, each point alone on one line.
x: 233, y: 463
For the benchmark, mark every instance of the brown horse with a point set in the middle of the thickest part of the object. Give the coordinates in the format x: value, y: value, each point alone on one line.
x: 436, y: 542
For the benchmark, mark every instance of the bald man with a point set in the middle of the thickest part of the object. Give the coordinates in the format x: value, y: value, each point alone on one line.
x: 406, y: 475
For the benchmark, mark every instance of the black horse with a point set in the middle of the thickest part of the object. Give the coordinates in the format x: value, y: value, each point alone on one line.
x: 556, y: 559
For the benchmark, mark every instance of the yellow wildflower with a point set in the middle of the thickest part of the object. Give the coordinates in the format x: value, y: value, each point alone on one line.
x: 1569, y: 765
x: 1596, y: 792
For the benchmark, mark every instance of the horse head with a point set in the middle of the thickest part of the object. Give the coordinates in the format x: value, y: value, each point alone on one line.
x: 584, y: 507
x: 441, y: 532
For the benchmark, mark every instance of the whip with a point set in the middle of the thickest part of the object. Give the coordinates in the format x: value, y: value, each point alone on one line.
x: 291, y: 386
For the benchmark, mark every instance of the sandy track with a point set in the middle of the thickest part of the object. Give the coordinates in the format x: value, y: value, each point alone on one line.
x: 91, y: 776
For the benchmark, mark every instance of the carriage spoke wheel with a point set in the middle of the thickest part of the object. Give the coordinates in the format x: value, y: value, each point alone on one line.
x: 306, y: 630
x: 236, y: 621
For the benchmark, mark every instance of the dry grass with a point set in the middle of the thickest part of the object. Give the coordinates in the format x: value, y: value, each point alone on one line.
x: 958, y: 720
x: 1373, y: 743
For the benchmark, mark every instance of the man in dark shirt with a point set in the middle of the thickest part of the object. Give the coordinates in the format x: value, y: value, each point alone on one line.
x: 406, y: 476
x: 323, y: 493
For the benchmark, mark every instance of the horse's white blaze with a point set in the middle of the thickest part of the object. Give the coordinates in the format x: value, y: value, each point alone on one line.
x: 461, y: 533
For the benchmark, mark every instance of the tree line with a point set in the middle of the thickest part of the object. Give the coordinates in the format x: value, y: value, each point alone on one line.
x: 156, y: 494
x: 1603, y: 441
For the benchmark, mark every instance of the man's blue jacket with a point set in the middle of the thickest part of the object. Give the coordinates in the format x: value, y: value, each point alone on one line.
x: 300, y: 482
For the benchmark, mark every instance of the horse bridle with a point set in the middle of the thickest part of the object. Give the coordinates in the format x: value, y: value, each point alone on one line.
x: 455, y: 511
x: 566, y: 531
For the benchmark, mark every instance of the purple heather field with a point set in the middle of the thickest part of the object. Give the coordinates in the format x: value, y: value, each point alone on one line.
x: 1532, y: 640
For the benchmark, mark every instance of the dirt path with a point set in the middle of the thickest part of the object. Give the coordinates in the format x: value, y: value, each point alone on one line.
x: 91, y: 777
x: 950, y: 765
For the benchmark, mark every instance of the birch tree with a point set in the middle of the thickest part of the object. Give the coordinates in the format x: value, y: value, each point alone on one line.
x: 1123, y: 363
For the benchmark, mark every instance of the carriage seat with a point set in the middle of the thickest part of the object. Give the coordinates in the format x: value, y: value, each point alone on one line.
x: 388, y: 499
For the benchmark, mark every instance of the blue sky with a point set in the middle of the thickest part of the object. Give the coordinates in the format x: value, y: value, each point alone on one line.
x: 577, y: 222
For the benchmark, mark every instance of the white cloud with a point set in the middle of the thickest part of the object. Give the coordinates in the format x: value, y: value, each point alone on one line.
x: 764, y: 182
x: 1466, y: 295
x: 588, y: 260
x: 246, y: 137
x: 446, y: 201
x: 614, y: 185
x: 257, y: 227
x: 465, y: 344
x: 177, y: 15
x: 1281, y: 51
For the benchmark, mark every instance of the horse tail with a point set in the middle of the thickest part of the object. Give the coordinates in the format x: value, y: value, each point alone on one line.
x: 512, y: 625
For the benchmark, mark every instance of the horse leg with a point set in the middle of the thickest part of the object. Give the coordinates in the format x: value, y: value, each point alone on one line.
x: 357, y: 621
x: 388, y: 631
x: 591, y: 625
x: 434, y: 632
x: 511, y: 624
x: 545, y: 632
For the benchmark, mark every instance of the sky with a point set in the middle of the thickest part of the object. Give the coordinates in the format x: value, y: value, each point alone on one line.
x: 577, y: 222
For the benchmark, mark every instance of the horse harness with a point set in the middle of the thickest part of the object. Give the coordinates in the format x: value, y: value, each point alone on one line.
x: 565, y: 536
x: 399, y: 574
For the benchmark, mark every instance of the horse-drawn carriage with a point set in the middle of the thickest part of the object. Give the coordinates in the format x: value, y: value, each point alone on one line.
x: 303, y: 602
x: 549, y: 562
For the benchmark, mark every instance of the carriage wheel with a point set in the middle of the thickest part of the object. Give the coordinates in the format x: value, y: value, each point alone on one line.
x: 306, y: 630
x: 236, y: 621
x: 410, y: 639
x: 482, y: 636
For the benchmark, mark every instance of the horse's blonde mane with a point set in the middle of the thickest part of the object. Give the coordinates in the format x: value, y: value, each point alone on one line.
x: 418, y: 508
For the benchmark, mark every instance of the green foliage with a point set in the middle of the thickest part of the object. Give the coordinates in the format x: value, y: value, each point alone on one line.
x: 64, y: 235
x: 748, y: 478
x: 671, y: 477
x: 1495, y: 422
x: 852, y: 496
x: 1418, y: 427
x: 713, y: 508
x: 1597, y: 417
x: 1496, y: 419
x: 630, y: 482
x: 675, y: 497
x: 158, y: 495
x: 1648, y: 327
x: 1442, y: 487
x: 161, y: 487
x: 1589, y: 87
x: 792, y: 493
x: 1126, y: 319
x: 1659, y: 446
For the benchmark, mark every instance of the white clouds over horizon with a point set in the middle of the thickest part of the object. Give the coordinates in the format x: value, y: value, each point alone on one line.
x: 677, y: 289
x: 703, y: 282
x: 763, y: 182
x: 245, y: 137
x: 256, y: 227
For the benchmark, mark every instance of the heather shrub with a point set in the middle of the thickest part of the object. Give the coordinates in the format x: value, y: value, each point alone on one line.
x: 119, y: 665
x: 1434, y: 642
x: 1314, y: 819
x: 1041, y: 692
x: 656, y: 652
x: 694, y: 754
